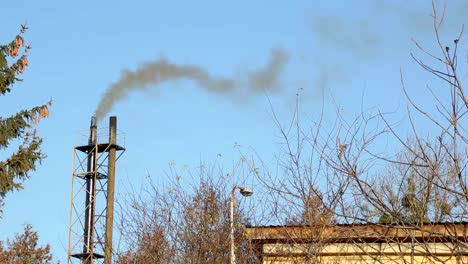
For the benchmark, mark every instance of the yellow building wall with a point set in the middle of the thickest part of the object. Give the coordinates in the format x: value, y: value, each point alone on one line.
x: 358, y: 253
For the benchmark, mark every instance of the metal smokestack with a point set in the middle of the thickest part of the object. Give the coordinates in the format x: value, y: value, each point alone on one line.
x: 90, y: 190
x: 110, y: 188
x: 92, y: 131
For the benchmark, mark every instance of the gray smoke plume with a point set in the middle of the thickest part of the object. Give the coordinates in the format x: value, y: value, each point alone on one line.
x: 152, y: 73
x: 356, y: 38
x: 267, y: 78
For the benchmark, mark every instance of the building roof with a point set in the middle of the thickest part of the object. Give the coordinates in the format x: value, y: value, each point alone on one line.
x: 343, y: 233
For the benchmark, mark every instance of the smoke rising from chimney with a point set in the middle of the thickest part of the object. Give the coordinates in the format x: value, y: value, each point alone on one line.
x: 153, y: 73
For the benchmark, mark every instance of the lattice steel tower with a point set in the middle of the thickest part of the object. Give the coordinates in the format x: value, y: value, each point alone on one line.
x: 92, y: 197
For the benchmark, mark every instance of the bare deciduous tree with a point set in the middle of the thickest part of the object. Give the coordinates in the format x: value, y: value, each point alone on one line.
x: 186, y: 221
x: 343, y: 174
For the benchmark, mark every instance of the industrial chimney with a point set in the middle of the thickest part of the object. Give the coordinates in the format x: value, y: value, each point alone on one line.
x: 92, y: 197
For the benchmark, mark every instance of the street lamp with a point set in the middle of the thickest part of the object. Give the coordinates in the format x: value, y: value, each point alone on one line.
x: 245, y: 192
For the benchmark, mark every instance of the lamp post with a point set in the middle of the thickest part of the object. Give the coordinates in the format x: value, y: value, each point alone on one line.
x: 245, y: 192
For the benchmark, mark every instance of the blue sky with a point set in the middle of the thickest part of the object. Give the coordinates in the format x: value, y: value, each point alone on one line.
x: 350, y: 51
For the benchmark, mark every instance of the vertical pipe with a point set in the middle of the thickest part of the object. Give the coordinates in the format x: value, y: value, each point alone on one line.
x: 110, y: 188
x: 231, y: 224
x: 90, y: 192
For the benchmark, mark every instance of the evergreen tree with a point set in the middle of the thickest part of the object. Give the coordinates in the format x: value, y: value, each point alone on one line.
x: 17, y: 131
